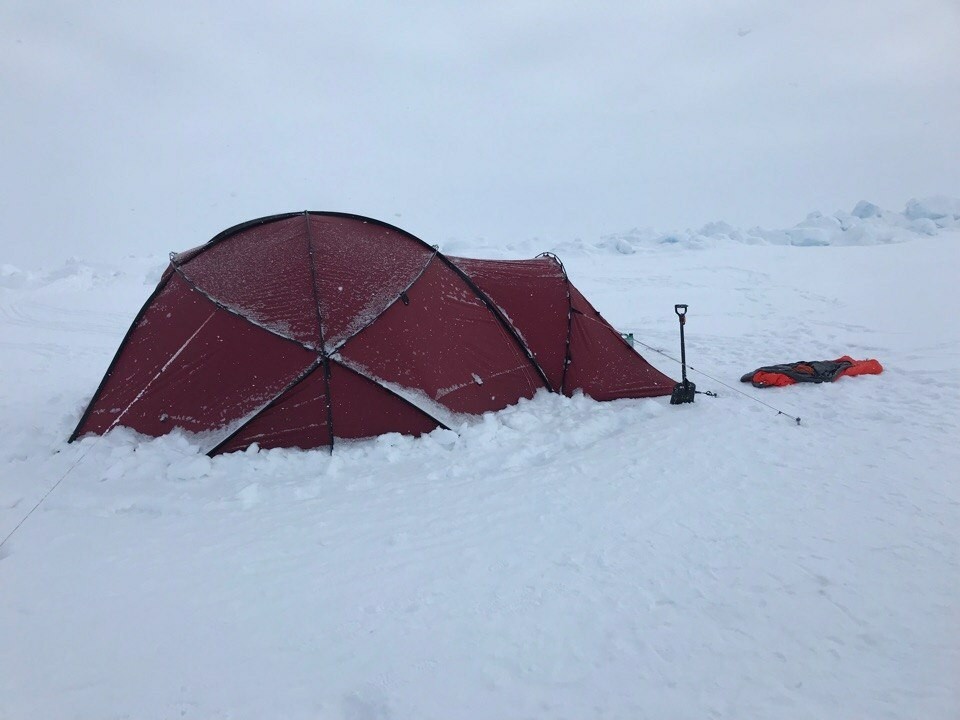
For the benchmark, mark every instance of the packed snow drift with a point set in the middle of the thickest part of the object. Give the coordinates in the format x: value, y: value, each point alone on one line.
x: 562, y: 558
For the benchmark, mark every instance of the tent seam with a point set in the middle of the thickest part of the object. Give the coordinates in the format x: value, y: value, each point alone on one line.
x: 389, y: 305
x: 116, y: 356
x: 495, y: 311
x: 269, y: 404
x: 316, y: 305
x: 567, y: 358
x: 342, y: 364
x: 313, y: 279
x: 196, y: 288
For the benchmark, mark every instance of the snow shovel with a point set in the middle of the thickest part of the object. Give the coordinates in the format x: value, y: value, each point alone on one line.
x: 683, y: 392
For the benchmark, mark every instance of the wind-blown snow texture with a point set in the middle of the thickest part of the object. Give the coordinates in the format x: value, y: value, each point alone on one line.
x: 559, y: 559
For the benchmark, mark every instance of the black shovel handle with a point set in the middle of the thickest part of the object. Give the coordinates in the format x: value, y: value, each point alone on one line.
x: 678, y: 308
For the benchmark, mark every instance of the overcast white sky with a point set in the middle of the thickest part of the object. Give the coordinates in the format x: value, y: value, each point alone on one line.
x: 137, y: 127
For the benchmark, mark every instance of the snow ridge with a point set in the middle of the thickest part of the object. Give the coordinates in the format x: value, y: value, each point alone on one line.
x: 865, y: 224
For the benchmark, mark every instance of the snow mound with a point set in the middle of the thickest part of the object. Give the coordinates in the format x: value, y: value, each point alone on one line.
x: 865, y: 224
x: 943, y: 210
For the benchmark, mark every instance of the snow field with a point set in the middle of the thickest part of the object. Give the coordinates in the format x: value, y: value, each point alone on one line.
x: 559, y: 559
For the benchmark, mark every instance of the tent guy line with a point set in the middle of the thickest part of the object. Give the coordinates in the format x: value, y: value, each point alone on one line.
x: 53, y: 487
x: 112, y: 425
x: 795, y: 418
x: 513, y: 327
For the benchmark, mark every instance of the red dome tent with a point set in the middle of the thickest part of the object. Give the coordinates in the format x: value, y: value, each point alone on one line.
x: 291, y: 330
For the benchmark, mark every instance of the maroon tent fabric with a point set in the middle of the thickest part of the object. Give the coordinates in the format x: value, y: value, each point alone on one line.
x: 296, y: 329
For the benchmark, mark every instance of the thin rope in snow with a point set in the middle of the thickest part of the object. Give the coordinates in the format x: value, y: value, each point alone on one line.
x: 109, y: 428
x: 710, y: 377
x: 47, y: 493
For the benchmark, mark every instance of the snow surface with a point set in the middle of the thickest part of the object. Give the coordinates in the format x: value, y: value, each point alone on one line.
x: 559, y: 559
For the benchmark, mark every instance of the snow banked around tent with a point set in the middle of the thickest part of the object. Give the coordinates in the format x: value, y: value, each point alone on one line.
x: 292, y: 330
x: 560, y: 558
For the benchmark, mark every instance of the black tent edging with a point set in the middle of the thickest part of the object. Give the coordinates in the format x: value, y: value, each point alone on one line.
x: 507, y: 326
x: 316, y: 305
x: 116, y: 356
x: 567, y: 359
x: 313, y: 367
x: 270, y: 403
x: 177, y: 260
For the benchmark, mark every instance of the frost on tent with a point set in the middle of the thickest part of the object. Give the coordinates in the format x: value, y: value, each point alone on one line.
x: 295, y: 330
x: 361, y: 269
x: 264, y: 276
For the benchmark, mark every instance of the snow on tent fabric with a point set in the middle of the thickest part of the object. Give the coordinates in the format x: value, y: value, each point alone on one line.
x: 296, y: 329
